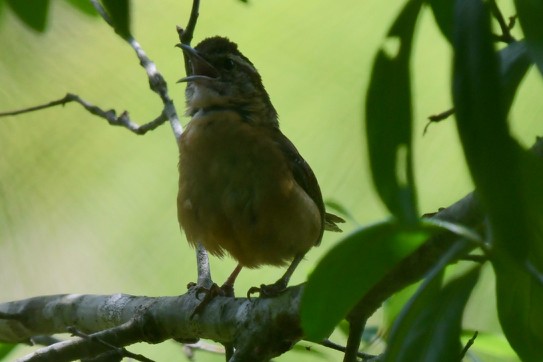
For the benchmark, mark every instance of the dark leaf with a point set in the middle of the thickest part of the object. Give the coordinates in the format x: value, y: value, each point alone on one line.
x: 32, y: 13
x: 520, y: 308
x: 429, y: 327
x: 443, y: 14
x: 119, y: 12
x: 507, y: 178
x: 530, y: 13
x: 388, y: 118
x: 349, y: 270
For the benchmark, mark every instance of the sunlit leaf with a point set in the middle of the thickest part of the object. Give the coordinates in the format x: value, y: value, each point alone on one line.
x: 529, y: 13
x: 349, y: 270
x: 32, y: 13
x: 389, y: 118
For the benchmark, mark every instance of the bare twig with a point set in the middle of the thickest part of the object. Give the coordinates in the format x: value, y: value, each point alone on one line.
x: 505, y: 36
x: 110, y: 115
x: 186, y: 35
x: 438, y: 118
x: 468, y: 345
x: 121, y: 352
x: 156, y: 80
x: 337, y: 347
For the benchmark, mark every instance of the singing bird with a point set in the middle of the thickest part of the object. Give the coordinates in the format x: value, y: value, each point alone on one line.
x: 244, y: 189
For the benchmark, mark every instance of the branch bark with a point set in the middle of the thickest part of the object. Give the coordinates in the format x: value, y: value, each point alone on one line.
x: 121, y: 320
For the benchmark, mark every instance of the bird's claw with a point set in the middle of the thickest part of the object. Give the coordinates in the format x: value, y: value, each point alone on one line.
x: 209, y: 294
x: 267, y: 291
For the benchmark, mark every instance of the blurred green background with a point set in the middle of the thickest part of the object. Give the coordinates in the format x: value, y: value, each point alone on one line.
x: 90, y: 208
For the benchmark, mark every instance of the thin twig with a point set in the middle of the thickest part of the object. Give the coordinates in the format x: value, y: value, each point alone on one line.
x: 110, y: 115
x: 119, y: 351
x: 468, y: 345
x: 340, y: 348
x: 186, y: 35
x: 156, y: 80
x: 505, y: 36
x: 438, y: 118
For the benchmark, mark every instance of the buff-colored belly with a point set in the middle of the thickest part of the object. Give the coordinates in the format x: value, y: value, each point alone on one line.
x: 237, y: 194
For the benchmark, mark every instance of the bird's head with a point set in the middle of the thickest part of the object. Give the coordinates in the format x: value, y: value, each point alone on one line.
x: 222, y: 77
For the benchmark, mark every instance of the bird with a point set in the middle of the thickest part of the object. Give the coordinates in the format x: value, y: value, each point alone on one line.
x: 244, y: 189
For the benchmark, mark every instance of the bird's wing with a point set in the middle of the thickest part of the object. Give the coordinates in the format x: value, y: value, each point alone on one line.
x: 305, y: 177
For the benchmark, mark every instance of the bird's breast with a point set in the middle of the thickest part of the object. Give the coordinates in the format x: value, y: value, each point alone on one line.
x: 237, y: 192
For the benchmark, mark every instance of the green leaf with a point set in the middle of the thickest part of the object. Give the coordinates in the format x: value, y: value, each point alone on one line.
x: 429, y: 328
x: 32, y: 13
x: 350, y: 269
x: 529, y: 14
x: 507, y: 178
x: 520, y: 308
x: 5, y: 349
x: 84, y: 6
x: 119, y: 12
x: 514, y: 63
x: 389, y: 118
x: 443, y: 15
x: 491, y: 153
x: 394, y: 305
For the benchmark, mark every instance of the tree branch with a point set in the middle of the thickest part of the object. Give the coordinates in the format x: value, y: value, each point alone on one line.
x: 224, y: 320
x: 110, y: 115
x: 121, y: 320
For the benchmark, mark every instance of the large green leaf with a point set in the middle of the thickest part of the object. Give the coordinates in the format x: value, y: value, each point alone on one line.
x: 389, y: 118
x: 520, y: 308
x: 443, y: 15
x: 530, y: 13
x: 350, y: 269
x: 429, y: 327
x: 119, y: 13
x: 507, y: 178
x: 32, y: 13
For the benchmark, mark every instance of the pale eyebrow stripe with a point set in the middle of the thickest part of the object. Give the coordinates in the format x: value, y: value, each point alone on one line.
x: 242, y: 61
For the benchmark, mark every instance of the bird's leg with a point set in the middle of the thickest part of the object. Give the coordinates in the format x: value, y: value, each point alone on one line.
x: 280, y: 285
x: 204, y: 270
x: 228, y: 286
x: 226, y: 290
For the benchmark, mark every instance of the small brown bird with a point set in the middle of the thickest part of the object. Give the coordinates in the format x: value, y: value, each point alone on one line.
x: 243, y: 187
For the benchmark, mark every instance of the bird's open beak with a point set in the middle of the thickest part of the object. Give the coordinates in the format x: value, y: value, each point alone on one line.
x: 201, y: 69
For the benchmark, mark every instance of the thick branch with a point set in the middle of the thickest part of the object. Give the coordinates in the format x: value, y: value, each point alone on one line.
x: 121, y: 320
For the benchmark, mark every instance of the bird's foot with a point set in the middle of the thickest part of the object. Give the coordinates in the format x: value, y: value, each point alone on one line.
x: 210, y: 293
x: 268, y: 291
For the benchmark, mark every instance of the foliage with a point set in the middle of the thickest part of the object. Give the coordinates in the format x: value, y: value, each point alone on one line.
x: 507, y: 179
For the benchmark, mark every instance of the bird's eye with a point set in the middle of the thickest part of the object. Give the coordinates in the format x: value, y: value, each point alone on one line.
x: 228, y: 64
